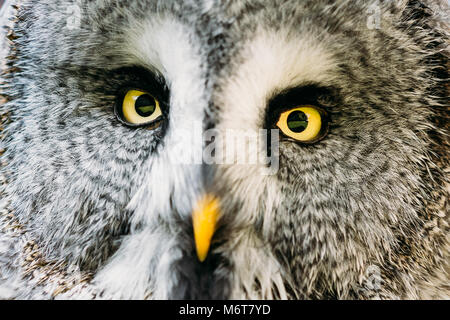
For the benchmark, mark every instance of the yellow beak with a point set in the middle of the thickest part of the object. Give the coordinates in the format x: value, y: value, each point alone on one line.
x: 204, y: 219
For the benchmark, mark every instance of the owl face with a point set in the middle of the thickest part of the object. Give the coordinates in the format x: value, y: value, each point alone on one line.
x: 119, y: 110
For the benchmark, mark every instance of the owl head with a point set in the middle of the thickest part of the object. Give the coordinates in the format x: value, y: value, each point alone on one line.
x: 232, y: 149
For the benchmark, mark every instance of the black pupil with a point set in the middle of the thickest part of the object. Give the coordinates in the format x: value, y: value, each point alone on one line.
x: 145, y: 105
x: 297, y: 121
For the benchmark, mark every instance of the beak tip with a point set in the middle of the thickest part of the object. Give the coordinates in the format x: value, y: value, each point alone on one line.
x: 202, y: 245
x: 201, y: 256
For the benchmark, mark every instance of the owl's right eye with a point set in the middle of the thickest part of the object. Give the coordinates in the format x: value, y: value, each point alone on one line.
x: 139, y: 108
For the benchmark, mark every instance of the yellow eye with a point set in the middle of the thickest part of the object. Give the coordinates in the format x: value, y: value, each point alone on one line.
x: 139, y: 107
x: 304, y: 124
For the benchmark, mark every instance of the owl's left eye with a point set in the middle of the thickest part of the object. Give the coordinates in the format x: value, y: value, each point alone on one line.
x: 139, y: 108
x: 306, y: 124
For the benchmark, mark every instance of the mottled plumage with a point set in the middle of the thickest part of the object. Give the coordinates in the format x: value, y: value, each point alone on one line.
x: 96, y: 209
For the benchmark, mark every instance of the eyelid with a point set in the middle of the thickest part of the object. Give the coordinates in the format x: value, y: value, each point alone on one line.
x: 140, y: 78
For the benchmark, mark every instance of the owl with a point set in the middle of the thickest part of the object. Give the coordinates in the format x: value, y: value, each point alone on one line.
x: 207, y: 149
